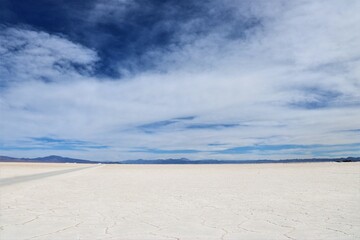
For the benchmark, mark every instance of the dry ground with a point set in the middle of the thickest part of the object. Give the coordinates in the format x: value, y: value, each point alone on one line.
x: 187, y: 202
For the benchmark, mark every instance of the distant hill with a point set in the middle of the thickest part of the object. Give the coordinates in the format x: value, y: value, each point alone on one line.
x: 59, y: 159
x: 213, y: 161
x: 48, y: 159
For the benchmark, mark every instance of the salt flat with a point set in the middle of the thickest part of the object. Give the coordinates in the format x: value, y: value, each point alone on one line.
x: 264, y: 201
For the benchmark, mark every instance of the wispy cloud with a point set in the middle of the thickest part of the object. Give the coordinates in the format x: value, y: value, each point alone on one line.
x: 30, y: 55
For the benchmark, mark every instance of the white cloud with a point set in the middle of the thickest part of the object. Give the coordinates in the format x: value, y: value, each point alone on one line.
x: 30, y: 55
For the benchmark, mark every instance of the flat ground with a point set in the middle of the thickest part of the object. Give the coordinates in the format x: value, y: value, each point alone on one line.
x: 187, y: 202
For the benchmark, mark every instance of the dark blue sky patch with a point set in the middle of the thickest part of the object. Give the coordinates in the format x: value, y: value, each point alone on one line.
x: 327, y: 152
x: 185, y: 118
x: 250, y: 149
x: 125, y: 34
x: 318, y: 98
x: 152, y: 127
x: 351, y: 130
x: 155, y: 126
x: 182, y: 124
x: 56, y: 140
x: 216, y: 144
x: 211, y: 125
x: 165, y: 151
x: 311, y: 148
x: 48, y: 143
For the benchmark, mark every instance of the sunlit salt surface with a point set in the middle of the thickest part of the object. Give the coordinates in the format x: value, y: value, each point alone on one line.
x: 260, y: 201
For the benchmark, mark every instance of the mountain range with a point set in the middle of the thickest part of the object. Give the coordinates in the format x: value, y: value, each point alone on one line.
x: 59, y: 159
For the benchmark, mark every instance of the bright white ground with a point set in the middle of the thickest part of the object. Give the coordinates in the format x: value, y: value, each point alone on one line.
x: 187, y: 202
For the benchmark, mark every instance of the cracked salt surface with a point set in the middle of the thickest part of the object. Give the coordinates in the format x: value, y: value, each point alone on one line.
x: 223, y: 202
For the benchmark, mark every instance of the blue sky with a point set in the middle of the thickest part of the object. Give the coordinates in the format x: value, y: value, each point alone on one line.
x: 229, y: 79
